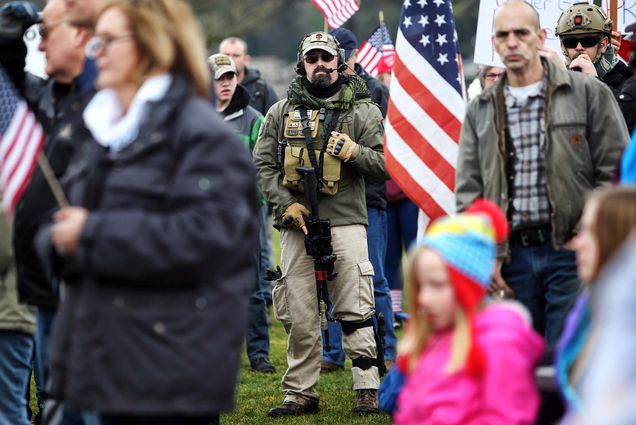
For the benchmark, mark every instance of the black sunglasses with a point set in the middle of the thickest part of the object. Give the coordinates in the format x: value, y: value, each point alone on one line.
x: 313, y: 57
x: 586, y: 41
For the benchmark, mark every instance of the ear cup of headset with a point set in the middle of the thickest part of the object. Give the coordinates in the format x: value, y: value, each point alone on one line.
x: 300, y: 66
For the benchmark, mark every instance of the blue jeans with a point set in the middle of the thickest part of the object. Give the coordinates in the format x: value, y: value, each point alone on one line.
x: 45, y: 322
x: 376, y: 242
x: 45, y: 318
x: 401, y: 233
x: 545, y: 280
x: 16, y: 352
x: 257, y: 337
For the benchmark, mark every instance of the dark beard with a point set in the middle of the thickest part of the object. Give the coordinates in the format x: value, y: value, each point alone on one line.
x: 321, y: 81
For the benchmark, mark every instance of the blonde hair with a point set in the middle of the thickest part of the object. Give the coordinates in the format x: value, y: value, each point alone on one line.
x: 419, y: 331
x: 169, y: 39
x: 615, y: 219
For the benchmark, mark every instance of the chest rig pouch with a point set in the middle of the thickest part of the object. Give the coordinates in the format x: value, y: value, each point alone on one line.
x: 301, y: 129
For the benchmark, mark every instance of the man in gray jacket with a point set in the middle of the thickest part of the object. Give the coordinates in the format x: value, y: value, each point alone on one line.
x: 536, y: 143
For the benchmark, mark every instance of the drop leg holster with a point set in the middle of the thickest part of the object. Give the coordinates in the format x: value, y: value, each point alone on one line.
x: 362, y: 362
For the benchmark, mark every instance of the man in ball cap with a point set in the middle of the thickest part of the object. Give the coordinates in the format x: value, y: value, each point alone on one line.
x: 232, y: 102
x: 328, y: 123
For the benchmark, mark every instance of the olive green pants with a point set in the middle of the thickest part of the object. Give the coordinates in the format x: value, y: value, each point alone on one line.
x: 295, y: 304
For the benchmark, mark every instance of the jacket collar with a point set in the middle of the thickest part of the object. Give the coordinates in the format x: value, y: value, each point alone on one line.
x: 557, y: 77
x: 159, y: 122
x: 239, y: 101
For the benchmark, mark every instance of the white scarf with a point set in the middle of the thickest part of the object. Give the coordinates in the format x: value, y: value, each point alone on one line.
x: 106, y: 121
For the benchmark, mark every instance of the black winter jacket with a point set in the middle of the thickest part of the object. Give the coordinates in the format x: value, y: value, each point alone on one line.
x: 375, y: 191
x: 627, y: 103
x: 156, y: 295
x: 262, y: 95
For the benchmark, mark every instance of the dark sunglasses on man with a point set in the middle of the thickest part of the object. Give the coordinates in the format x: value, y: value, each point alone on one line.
x: 313, y: 57
x: 571, y: 42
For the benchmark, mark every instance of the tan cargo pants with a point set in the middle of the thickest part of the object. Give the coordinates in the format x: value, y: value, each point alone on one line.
x: 295, y: 305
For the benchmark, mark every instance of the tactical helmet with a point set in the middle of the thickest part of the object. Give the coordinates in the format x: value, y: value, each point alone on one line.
x: 318, y: 40
x: 583, y: 18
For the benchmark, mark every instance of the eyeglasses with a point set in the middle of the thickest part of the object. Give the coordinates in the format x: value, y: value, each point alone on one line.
x: 586, y: 41
x: 312, y: 58
x: 493, y: 75
x: 97, y: 43
x: 45, y: 30
x: 518, y: 32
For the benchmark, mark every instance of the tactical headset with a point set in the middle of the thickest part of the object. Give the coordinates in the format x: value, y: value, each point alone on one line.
x: 300, y: 66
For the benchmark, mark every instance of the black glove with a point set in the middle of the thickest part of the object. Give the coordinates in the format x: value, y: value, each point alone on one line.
x: 16, y: 17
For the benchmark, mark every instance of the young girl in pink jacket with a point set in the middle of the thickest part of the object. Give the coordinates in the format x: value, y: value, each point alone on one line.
x: 468, y: 361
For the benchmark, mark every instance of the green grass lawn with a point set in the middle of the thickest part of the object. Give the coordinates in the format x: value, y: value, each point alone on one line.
x: 257, y: 392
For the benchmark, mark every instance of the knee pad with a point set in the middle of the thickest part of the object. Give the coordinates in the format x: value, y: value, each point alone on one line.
x: 364, y: 363
x: 350, y: 327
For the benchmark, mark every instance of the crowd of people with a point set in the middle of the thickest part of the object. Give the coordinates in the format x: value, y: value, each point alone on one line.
x: 176, y: 164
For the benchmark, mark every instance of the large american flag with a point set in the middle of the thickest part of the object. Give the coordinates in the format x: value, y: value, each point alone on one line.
x: 337, y: 12
x: 426, y: 107
x: 21, y: 141
x: 376, y: 49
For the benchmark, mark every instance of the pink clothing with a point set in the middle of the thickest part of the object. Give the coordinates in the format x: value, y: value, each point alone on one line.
x: 506, y: 394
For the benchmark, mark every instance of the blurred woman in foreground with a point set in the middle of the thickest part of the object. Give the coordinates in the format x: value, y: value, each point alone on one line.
x: 156, y: 250
x: 608, y: 217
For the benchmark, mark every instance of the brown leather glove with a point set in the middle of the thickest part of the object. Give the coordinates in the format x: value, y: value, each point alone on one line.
x: 341, y: 145
x: 294, y: 214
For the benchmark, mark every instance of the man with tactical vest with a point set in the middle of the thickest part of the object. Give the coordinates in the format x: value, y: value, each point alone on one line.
x: 328, y: 123
x: 585, y: 33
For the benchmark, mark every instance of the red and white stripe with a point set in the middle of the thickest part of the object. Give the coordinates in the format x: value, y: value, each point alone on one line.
x: 369, y: 57
x: 337, y: 12
x: 19, y: 148
x: 422, y: 131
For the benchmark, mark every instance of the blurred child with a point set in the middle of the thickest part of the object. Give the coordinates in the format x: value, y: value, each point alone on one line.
x: 608, y: 217
x: 467, y: 360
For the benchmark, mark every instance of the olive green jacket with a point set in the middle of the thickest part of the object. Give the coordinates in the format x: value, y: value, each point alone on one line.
x: 585, y: 135
x: 13, y: 315
x: 363, y: 123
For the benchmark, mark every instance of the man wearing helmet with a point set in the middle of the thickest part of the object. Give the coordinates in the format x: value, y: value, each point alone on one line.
x: 584, y: 31
x: 329, y: 123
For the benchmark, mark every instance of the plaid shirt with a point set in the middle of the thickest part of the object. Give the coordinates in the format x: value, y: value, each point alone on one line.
x: 529, y: 204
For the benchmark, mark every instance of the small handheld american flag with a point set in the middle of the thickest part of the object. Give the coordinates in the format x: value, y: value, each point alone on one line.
x: 21, y: 141
x: 376, y: 50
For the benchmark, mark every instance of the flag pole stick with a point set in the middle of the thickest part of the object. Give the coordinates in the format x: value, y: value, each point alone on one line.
x: 614, y: 18
x: 54, y: 184
x: 325, y: 25
x: 381, y: 16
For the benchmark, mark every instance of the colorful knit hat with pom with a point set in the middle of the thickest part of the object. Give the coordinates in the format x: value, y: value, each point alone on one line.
x: 468, y: 244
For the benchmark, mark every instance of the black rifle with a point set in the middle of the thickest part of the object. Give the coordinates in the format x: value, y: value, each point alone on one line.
x: 318, y: 247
